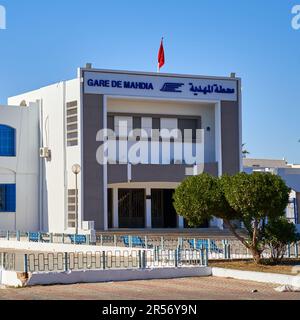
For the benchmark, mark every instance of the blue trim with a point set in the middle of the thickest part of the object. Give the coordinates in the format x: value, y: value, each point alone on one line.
x: 7, y: 141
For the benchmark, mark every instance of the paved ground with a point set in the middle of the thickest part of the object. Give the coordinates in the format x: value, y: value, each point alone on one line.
x: 175, y: 289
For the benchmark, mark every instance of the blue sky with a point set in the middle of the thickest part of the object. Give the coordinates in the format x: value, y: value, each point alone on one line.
x: 46, y: 41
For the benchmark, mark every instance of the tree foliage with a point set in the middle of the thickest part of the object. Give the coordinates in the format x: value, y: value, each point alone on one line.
x: 251, y: 199
x: 279, y: 233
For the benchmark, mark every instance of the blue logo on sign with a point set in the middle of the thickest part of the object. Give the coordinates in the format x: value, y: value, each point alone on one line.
x: 172, y: 87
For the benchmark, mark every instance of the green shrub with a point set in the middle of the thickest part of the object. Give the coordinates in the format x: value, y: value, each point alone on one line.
x: 279, y: 233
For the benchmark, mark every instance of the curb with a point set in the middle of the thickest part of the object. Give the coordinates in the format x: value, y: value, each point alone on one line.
x: 273, y: 278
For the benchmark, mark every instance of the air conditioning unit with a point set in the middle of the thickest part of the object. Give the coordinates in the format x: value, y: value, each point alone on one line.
x: 88, y: 225
x: 45, y: 153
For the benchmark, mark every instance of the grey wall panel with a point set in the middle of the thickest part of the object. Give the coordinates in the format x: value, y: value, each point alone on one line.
x: 158, y: 173
x: 230, y: 137
x: 166, y: 173
x: 117, y: 173
x: 211, y: 168
x: 93, y: 174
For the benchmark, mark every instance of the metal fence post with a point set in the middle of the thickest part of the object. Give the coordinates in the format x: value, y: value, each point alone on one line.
x: 229, y: 251
x: 39, y: 237
x: 146, y: 242
x: 209, y: 246
x: 66, y: 262
x: 158, y: 254
x: 88, y: 239
x: 25, y: 263
x: 63, y: 238
x: 162, y: 240
x: 51, y: 237
x: 103, y: 260
x: 7, y: 235
x: 179, y: 255
x: 180, y: 242
x: 101, y: 240
x: 140, y: 260
x: 195, y: 244
x: 296, y: 250
x: 18, y: 236
x: 115, y: 241
x: 289, y: 250
x: 130, y: 241
x: 202, y: 253
x: 176, y: 258
x: 206, y: 257
x: 224, y: 249
x: 144, y: 259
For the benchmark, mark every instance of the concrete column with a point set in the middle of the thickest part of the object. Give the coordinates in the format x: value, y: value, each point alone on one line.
x: 115, y: 208
x: 148, y: 209
x: 180, y: 222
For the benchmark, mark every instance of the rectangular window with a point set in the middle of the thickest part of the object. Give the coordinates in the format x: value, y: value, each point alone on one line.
x: 156, y: 123
x: 7, y: 141
x: 72, y: 123
x: 111, y: 123
x: 7, y: 198
x: 72, y: 208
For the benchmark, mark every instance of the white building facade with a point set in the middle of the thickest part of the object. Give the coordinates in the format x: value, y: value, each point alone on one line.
x: 289, y: 173
x: 64, y: 120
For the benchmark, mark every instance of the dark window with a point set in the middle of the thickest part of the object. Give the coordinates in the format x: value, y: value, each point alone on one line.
x: 110, y: 208
x: 7, y: 198
x: 137, y: 123
x: 7, y: 141
x: 132, y: 208
x: 163, y: 211
x: 111, y: 123
x: 156, y: 123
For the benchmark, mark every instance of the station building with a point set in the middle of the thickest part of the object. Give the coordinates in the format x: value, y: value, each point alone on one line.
x: 45, y: 132
x: 290, y: 173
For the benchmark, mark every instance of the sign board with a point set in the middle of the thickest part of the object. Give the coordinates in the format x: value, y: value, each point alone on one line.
x: 123, y: 84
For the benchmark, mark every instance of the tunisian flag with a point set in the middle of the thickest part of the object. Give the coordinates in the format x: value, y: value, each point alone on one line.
x: 161, y: 55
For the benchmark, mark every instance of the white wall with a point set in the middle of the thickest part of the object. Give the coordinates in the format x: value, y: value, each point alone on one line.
x: 55, y: 173
x: 22, y: 169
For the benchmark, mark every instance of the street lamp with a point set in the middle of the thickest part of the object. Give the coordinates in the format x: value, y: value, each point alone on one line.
x: 76, y: 170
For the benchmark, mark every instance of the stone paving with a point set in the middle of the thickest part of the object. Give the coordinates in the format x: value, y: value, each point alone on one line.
x: 175, y: 289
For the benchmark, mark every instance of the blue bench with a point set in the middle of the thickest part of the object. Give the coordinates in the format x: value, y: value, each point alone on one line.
x: 204, y: 243
x: 136, y: 241
x: 37, y: 237
x: 78, y: 239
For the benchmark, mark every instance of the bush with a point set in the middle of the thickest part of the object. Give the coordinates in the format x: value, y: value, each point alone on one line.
x: 278, y: 234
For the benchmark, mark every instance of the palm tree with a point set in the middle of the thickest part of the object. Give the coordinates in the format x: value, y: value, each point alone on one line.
x: 245, y: 152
